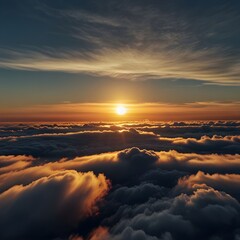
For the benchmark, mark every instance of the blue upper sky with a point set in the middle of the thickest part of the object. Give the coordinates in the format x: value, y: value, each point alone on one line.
x: 176, y: 51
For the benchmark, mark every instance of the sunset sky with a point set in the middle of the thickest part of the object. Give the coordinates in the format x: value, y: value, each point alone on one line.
x: 76, y: 60
x: 119, y: 119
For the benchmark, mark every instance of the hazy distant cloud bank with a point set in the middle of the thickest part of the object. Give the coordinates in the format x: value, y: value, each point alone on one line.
x: 97, y: 182
x: 64, y: 140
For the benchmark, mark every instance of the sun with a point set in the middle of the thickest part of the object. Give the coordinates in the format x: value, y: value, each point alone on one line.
x: 121, y: 110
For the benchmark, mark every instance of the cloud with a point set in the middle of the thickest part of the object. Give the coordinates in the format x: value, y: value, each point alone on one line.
x: 192, y: 129
x: 137, y: 194
x: 206, y: 213
x: 227, y: 144
x: 100, y: 233
x: 130, y: 165
x: 52, y: 142
x: 12, y: 163
x: 132, y: 64
x: 50, y: 205
x: 228, y: 183
x: 146, y: 190
x: 74, y: 144
x: 153, y: 40
x: 194, y: 162
x: 176, y: 188
x: 119, y: 166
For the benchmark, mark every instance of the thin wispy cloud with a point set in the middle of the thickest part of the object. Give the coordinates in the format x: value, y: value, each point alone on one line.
x: 132, y: 64
x: 144, y: 42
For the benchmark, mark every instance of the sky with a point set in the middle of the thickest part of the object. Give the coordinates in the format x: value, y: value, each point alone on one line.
x: 119, y: 120
x: 76, y: 60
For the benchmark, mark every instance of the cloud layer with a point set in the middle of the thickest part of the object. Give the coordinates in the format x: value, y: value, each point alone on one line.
x: 75, y: 140
x: 97, y: 182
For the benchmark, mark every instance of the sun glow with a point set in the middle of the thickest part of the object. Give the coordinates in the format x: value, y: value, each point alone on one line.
x: 121, y: 110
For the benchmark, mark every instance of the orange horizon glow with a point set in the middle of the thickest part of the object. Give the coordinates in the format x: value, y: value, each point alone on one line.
x: 73, y: 112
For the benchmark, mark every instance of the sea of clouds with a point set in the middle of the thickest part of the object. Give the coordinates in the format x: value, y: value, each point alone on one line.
x: 120, y: 181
